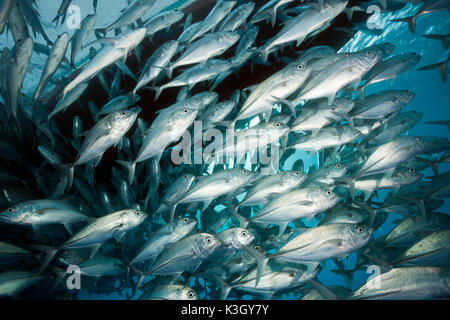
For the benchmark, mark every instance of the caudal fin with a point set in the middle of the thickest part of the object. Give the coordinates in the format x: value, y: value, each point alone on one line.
x: 68, y: 171
x: 49, y: 255
x: 224, y: 287
x: 233, y: 210
x: 101, y: 30
x: 261, y: 261
x: 131, y: 168
x: 411, y: 22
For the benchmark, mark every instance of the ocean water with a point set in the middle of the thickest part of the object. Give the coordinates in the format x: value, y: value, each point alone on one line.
x: 432, y: 95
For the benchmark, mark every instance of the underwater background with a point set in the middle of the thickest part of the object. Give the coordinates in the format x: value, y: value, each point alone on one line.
x: 432, y: 95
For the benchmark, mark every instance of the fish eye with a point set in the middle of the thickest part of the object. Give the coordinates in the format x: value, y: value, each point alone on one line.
x: 185, y: 220
x: 244, y: 233
x: 244, y: 170
x: 368, y: 53
x: 137, y: 212
x: 257, y: 248
x: 10, y: 209
x: 299, y: 66
x: 296, y: 173
x: 123, y: 113
x: 411, y: 170
x: 360, y: 229
x: 338, y: 165
x: 190, y: 294
x: 185, y: 110
x: 208, y: 240
x: 329, y: 192
x: 277, y: 124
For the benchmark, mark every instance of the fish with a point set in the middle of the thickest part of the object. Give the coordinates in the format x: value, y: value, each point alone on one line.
x: 93, y: 235
x: 390, y: 69
x: 15, y: 68
x: 156, y: 63
x: 53, y: 62
x: 217, y: 184
x: 406, y: 283
x: 427, y: 8
x: 347, y: 70
x: 170, y: 292
x: 80, y: 36
x: 41, y: 212
x: 441, y: 37
x: 184, y: 254
x: 209, y: 46
x: 130, y: 14
x: 304, y: 25
x: 116, y: 48
x: 279, y: 85
x: 162, y: 21
x: 297, y: 204
x: 105, y: 134
x: 440, y: 66
x: 13, y: 282
x: 237, y: 17
x: 4, y: 12
x: 221, y: 9
x: 169, y: 128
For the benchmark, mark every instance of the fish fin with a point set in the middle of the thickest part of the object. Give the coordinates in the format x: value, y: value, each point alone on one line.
x: 206, y: 204
x: 94, y: 250
x: 331, y: 98
x: 310, y: 267
x: 101, y: 30
x: 282, y: 227
x: 287, y: 103
x: 225, y: 288
x: 68, y: 227
x: 345, y: 115
x: 49, y: 255
x: 419, y: 203
x: 68, y: 171
x: 103, y: 41
x: 383, y: 264
x: 324, y: 291
x: 411, y: 22
x: 261, y: 261
x: 243, y: 222
x: 131, y: 168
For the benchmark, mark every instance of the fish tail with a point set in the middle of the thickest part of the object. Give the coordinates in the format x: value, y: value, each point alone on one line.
x: 224, y: 287
x: 169, y: 71
x: 261, y: 261
x: 350, y: 183
x: 233, y: 210
x: 49, y: 255
x: 131, y: 168
x: 433, y: 164
x: 264, y: 54
x: 288, y: 103
x: 68, y: 171
x: 324, y: 291
x: 411, y: 22
x: 141, y: 275
x: 101, y: 30
x: 361, y: 90
x: 420, y: 203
